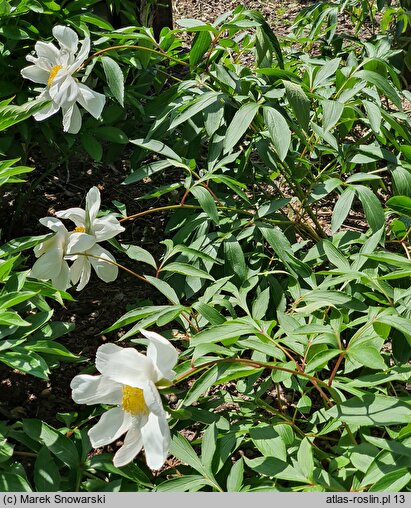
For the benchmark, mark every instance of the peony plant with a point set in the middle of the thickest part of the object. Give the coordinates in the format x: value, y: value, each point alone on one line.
x: 55, y: 68
x: 51, y: 263
x: 79, y: 245
x: 128, y: 380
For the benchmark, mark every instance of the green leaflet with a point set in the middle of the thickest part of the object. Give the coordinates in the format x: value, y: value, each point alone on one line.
x: 372, y: 409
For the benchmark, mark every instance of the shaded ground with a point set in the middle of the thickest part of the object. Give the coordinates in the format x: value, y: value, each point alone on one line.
x: 278, y: 13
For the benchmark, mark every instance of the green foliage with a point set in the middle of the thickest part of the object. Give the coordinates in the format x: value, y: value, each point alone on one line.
x: 27, y: 337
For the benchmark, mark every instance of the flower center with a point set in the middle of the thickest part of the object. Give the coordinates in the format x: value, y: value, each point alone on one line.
x: 53, y: 71
x: 79, y: 229
x: 133, y: 401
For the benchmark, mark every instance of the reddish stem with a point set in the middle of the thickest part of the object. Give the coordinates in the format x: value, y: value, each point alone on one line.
x: 212, y: 193
x: 337, y: 364
x: 256, y: 364
x: 184, y: 197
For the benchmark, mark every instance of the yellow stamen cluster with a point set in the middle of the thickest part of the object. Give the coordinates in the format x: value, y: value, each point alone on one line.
x: 133, y: 401
x: 79, y: 229
x: 53, y: 72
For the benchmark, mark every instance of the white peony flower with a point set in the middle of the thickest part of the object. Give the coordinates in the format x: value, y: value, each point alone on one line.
x: 82, y: 247
x: 95, y: 257
x: 51, y: 263
x: 79, y: 246
x: 128, y: 380
x: 87, y: 223
x: 55, y: 68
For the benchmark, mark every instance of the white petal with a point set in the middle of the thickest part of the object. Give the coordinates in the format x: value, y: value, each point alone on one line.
x: 107, y: 349
x: 77, y: 215
x: 41, y: 248
x: 46, y: 112
x: 131, y: 447
x: 32, y: 59
x: 41, y: 63
x: 62, y: 281
x: 47, y: 52
x: 64, y: 90
x: 49, y: 264
x: 93, y: 102
x: 162, y: 353
x: 111, y: 426
x: 85, y: 274
x: 67, y: 38
x: 88, y: 389
x: 72, y: 120
x: 106, y: 227
x: 79, y: 243
x: 81, y: 56
x: 156, y: 440
x: 80, y: 270
x: 105, y: 270
x: 47, y: 245
x: 76, y: 269
x: 57, y: 241
x: 124, y: 365
x: 152, y: 399
x: 53, y: 224
x: 93, y: 201
x: 34, y: 73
